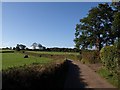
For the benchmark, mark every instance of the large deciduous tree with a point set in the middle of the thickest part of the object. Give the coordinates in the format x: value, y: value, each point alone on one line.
x: 20, y: 47
x: 95, y: 29
x: 34, y: 45
x: 116, y: 22
x: 40, y: 46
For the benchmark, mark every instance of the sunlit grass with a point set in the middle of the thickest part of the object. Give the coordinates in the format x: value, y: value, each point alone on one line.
x: 17, y: 59
x: 108, y: 76
x: 54, y: 53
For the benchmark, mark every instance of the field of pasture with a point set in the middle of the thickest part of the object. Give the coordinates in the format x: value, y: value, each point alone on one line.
x: 54, y: 53
x: 17, y: 59
x: 32, y: 72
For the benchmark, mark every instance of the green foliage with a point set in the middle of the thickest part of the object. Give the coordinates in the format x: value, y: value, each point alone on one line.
x: 116, y: 24
x: 35, y: 76
x: 109, y: 76
x: 118, y: 44
x: 17, y: 48
x: 37, y: 45
x: 109, y: 57
x: 100, y: 27
x: 34, y: 45
x: 74, y: 57
x: 89, y: 56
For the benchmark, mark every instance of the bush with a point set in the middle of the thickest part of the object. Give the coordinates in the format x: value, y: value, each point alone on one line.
x: 90, y: 56
x: 109, y: 58
x: 35, y: 76
x: 108, y: 76
x: 74, y: 57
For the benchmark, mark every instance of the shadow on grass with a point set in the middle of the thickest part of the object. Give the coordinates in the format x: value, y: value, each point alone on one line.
x: 74, y: 79
x: 32, y: 77
x: 51, y: 77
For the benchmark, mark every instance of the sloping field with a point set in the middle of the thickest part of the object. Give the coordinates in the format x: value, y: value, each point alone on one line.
x: 17, y: 59
x: 54, y: 53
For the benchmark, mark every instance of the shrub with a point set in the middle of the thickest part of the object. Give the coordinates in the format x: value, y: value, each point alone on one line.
x: 90, y: 56
x: 109, y: 58
x: 74, y: 57
x: 35, y: 76
x: 108, y: 76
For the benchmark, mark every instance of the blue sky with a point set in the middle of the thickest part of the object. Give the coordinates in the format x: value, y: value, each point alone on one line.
x: 50, y: 24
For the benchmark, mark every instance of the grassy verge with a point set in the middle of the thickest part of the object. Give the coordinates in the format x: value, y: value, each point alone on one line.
x: 108, y: 76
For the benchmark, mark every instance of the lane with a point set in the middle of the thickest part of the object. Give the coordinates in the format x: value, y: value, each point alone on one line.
x: 81, y: 76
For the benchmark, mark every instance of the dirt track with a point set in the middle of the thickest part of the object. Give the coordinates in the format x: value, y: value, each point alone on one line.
x: 81, y: 76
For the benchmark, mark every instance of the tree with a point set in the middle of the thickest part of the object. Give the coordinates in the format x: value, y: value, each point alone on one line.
x: 116, y: 22
x: 22, y: 47
x: 40, y: 46
x: 13, y: 48
x: 10, y: 48
x: 17, y: 48
x: 116, y: 6
x: 34, y: 45
x: 95, y: 29
x: 44, y: 48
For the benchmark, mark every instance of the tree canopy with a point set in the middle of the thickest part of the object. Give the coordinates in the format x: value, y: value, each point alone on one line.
x: 99, y: 28
x: 37, y: 46
x: 20, y: 47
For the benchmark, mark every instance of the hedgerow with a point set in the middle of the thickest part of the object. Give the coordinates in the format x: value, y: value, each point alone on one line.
x: 110, y: 58
x: 90, y: 56
x: 35, y: 76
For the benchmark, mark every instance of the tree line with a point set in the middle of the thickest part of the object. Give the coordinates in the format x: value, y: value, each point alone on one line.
x: 101, y: 27
x: 39, y: 47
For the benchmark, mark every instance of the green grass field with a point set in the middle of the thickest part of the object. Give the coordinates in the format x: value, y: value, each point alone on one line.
x: 17, y: 59
x: 53, y: 53
x: 11, y: 59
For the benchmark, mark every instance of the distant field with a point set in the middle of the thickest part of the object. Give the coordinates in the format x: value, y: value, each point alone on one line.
x: 11, y: 59
x: 6, y: 51
x: 54, y: 53
x: 17, y: 59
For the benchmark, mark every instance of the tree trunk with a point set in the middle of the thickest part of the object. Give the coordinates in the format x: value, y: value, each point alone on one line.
x: 98, y: 44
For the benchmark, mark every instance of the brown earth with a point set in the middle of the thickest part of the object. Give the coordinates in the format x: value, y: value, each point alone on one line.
x: 82, y: 76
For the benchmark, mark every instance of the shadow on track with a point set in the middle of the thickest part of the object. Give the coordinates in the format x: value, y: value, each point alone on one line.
x: 74, y: 79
